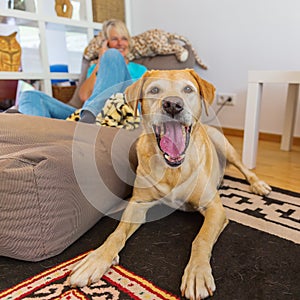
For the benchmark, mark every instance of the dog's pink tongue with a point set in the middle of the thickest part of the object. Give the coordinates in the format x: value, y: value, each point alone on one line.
x: 173, y: 141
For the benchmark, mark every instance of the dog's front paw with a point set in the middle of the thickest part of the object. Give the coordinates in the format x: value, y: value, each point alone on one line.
x: 91, y: 269
x: 261, y: 188
x: 197, y: 281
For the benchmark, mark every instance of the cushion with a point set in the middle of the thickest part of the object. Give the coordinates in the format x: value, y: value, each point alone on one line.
x: 167, y: 62
x: 58, y: 179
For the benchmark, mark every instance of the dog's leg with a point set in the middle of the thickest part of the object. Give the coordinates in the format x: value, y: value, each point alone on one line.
x: 224, y: 148
x: 95, y: 264
x: 257, y: 186
x: 197, y: 281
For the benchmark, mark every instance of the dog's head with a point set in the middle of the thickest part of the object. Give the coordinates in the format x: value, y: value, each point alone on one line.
x: 171, y: 104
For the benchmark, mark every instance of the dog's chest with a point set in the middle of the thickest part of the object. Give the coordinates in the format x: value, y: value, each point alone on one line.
x: 182, y: 192
x: 179, y: 196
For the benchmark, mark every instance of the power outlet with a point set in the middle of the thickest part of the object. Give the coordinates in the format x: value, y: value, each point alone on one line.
x: 226, y: 99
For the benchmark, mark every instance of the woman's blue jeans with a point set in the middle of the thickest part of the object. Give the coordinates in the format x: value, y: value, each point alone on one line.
x: 113, y: 77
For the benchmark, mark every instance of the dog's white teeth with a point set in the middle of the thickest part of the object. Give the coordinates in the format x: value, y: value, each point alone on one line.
x: 157, y: 130
x: 178, y: 158
x: 183, y: 131
x: 160, y: 130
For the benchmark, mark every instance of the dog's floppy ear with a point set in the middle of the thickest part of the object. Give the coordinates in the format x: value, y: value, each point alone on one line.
x: 207, y: 90
x: 133, y: 93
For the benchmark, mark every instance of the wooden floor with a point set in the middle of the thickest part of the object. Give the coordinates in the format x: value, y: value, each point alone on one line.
x: 278, y: 168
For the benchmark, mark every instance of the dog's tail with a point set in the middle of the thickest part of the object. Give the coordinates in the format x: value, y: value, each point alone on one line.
x: 188, y: 43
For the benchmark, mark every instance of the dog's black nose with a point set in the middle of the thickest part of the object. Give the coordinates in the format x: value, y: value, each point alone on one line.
x: 172, y: 105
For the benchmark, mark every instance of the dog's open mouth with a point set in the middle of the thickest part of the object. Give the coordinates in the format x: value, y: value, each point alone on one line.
x: 173, y: 139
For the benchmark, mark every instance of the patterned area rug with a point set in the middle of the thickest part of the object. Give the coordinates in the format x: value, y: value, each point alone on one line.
x: 277, y: 214
x: 262, y: 252
x: 117, y: 283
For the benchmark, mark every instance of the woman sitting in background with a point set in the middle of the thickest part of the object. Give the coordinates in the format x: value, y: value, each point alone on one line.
x: 112, y: 74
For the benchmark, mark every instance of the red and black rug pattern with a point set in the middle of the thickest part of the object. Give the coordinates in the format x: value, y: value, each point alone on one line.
x: 117, y: 283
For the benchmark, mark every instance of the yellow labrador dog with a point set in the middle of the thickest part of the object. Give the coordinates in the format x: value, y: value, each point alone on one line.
x: 179, y: 165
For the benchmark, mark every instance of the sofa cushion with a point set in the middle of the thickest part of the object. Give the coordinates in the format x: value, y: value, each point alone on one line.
x: 58, y: 179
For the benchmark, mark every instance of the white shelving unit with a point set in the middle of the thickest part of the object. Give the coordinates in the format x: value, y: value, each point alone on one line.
x: 52, y: 38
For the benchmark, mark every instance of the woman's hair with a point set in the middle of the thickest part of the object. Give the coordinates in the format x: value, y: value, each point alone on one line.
x: 118, y: 25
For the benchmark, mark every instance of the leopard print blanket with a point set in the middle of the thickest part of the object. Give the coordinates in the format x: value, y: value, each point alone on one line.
x: 148, y: 44
x: 115, y: 113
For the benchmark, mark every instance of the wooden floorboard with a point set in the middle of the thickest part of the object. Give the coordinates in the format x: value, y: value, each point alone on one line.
x: 276, y: 167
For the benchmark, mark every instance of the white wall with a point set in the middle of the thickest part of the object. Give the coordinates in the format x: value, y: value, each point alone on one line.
x: 232, y: 37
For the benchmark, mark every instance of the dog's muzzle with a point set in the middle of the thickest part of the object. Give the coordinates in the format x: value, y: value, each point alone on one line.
x: 172, y: 135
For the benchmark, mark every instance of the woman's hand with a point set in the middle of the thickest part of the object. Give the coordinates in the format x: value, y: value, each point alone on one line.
x: 103, y: 48
x: 87, y: 86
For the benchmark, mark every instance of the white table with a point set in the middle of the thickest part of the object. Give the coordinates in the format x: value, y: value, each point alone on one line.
x: 256, y: 79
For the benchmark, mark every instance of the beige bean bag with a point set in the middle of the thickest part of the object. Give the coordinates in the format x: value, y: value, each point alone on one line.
x: 57, y: 179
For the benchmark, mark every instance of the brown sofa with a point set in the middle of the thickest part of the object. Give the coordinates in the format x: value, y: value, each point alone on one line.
x: 58, y: 178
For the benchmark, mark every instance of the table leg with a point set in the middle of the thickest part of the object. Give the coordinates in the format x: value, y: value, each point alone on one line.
x: 252, y: 124
x: 290, y: 117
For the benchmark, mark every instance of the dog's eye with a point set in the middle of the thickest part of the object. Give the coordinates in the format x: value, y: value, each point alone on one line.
x: 188, y: 89
x: 154, y: 90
